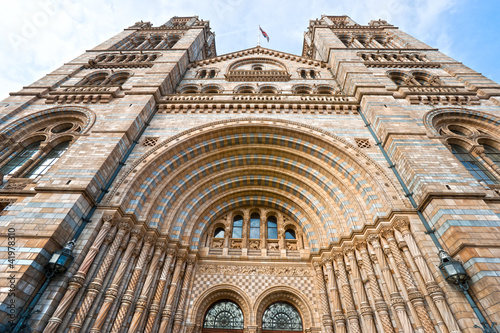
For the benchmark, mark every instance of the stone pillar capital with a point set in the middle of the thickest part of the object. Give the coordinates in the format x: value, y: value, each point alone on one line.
x: 110, y: 216
x: 361, y: 245
x: 387, y: 233
x: 338, y: 256
x: 402, y: 224
x: 373, y: 239
x: 124, y: 226
x: 327, y: 261
x: 171, y: 252
x: 349, y: 251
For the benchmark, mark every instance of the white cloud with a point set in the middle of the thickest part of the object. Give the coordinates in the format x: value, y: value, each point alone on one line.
x: 40, y: 35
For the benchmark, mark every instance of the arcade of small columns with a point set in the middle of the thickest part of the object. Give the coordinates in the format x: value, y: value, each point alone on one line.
x: 263, y: 242
x: 136, y: 277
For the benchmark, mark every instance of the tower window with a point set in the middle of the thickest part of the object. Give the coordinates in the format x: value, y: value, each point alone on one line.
x: 492, y: 153
x: 472, y: 165
x: 459, y: 130
x: 18, y: 161
x: 237, y: 226
x: 44, y: 165
x: 62, y: 128
x: 272, y: 227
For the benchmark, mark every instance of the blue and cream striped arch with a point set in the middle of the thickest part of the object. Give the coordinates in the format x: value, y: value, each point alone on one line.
x: 19, y: 127
x: 323, y: 183
x: 449, y: 115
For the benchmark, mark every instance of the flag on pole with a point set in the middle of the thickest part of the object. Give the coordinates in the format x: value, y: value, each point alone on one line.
x: 264, y: 34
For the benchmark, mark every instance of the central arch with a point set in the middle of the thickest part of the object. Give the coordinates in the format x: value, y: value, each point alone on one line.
x: 328, y: 186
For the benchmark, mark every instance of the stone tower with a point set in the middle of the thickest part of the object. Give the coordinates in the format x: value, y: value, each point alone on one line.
x: 256, y: 191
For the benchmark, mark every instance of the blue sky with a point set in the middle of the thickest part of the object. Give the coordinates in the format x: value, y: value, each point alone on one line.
x: 38, y: 36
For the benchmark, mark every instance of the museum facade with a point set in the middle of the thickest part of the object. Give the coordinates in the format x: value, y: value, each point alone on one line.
x: 151, y: 185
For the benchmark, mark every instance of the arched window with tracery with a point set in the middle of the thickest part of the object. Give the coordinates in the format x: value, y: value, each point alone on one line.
x: 492, y: 153
x: 281, y: 316
x: 474, y: 141
x: 118, y: 79
x: 20, y: 159
x: 223, y: 315
x: 42, y: 138
x: 50, y: 159
x: 472, y: 165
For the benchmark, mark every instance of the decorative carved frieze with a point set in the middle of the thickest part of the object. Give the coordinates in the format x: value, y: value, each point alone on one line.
x: 253, y: 270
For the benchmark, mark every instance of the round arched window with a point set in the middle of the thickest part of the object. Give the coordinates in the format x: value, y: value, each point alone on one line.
x: 219, y: 232
x: 290, y: 234
x: 281, y: 317
x: 224, y: 315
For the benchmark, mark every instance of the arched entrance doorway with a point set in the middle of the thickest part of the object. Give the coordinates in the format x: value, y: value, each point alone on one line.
x: 223, y: 316
x: 281, y: 317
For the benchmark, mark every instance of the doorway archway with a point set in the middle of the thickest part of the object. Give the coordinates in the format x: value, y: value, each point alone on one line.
x: 223, y: 316
x: 281, y: 317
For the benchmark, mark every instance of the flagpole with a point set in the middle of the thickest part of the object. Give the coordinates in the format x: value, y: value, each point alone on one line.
x: 258, y: 37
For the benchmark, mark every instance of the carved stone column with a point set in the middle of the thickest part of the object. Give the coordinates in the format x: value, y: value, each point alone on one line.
x: 155, y: 306
x: 422, y: 287
x: 245, y: 230
x: 396, y: 300
x: 167, y: 312
x: 143, y: 297
x: 436, y: 293
x: 338, y: 315
x: 227, y: 236
x: 179, y: 315
x: 263, y: 232
x: 96, y: 284
x: 76, y: 282
x: 352, y: 315
x: 111, y: 291
x: 129, y: 293
x: 414, y: 294
x: 364, y: 305
x: 380, y: 305
x: 320, y: 283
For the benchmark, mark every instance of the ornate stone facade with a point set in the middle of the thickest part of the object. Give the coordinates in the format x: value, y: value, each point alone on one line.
x: 232, y: 192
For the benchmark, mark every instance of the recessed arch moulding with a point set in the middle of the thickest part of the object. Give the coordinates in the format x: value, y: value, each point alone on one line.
x: 326, y: 185
x: 252, y: 309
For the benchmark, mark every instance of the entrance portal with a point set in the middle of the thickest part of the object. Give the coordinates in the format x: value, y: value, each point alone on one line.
x: 223, y: 316
x: 281, y: 317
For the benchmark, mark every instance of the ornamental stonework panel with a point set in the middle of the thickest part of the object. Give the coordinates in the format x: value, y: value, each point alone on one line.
x: 254, y: 279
